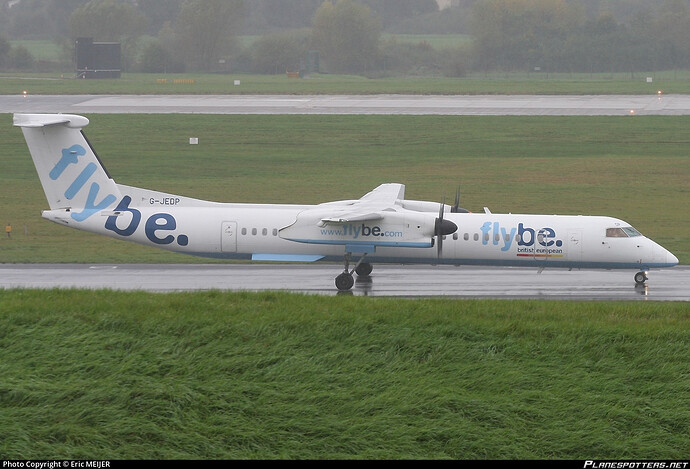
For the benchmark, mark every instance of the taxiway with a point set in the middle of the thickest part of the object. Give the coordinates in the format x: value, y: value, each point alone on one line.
x: 386, y: 280
x: 522, y: 105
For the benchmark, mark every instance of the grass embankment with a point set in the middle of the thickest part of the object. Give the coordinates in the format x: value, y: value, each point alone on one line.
x: 508, y: 83
x: 104, y: 374
x: 634, y: 168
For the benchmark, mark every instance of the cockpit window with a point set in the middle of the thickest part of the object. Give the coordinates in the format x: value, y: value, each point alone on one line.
x: 632, y: 232
x: 615, y: 233
x: 625, y: 232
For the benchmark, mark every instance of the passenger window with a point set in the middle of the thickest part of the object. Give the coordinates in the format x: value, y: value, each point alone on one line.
x: 244, y: 231
x: 264, y: 231
x: 466, y: 237
x: 275, y: 231
x: 476, y: 236
x: 455, y: 236
x: 254, y: 231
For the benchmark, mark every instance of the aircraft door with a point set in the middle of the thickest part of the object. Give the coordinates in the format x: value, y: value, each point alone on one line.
x: 228, y: 236
x: 574, y: 245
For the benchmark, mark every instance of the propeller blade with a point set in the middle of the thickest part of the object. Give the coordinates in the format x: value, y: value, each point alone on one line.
x: 442, y: 228
x: 456, y: 208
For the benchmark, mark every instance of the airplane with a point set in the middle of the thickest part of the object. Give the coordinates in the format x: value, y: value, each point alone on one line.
x: 380, y: 227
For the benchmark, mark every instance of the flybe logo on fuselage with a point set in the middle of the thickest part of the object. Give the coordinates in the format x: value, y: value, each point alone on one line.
x: 524, y: 236
x: 158, y: 222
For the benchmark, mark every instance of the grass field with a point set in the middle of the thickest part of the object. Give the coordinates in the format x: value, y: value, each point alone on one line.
x: 102, y: 374
x: 505, y: 83
x: 634, y: 168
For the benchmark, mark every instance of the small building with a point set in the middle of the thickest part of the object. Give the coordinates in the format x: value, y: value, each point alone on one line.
x: 97, y: 59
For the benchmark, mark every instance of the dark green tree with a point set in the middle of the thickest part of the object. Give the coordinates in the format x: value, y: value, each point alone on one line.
x: 522, y: 34
x: 205, y: 30
x: 280, y: 52
x: 347, y: 35
x: 107, y: 20
x: 4, y: 52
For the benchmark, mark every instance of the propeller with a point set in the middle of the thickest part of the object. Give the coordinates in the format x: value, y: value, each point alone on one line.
x: 442, y: 228
x: 456, y: 207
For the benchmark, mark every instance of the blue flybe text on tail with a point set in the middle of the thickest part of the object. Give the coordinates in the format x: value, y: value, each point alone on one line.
x: 71, y: 156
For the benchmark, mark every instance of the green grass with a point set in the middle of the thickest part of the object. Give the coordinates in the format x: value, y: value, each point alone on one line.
x: 117, y: 375
x: 41, y: 50
x: 513, y: 83
x: 634, y: 168
x: 436, y: 41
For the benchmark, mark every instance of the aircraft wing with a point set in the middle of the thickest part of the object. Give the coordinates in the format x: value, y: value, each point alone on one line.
x: 348, y: 223
x: 385, y: 194
x: 352, y: 217
x: 367, y: 208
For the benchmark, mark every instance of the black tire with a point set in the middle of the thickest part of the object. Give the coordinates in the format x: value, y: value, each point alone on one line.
x: 344, y: 281
x: 364, y: 269
x: 640, y: 278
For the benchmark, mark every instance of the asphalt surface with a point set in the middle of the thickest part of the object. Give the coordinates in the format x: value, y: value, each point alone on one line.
x: 614, y: 105
x: 387, y: 280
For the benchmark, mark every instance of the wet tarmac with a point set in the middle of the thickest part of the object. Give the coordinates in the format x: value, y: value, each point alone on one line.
x: 386, y: 281
x: 592, y: 105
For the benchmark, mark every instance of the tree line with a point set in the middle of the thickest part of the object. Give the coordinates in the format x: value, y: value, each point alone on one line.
x: 347, y: 35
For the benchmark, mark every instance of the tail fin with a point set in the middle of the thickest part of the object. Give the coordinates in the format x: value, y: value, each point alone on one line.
x: 72, y: 176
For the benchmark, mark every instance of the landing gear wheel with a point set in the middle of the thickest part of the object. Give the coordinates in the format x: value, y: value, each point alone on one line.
x: 640, y: 278
x: 344, y: 281
x: 364, y: 269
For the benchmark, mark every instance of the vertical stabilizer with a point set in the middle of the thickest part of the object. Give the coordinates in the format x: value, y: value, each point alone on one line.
x: 72, y: 176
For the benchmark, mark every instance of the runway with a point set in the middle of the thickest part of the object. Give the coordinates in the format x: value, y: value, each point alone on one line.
x: 386, y: 280
x: 518, y: 105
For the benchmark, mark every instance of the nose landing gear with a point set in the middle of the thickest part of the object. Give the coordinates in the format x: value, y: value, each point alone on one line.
x: 640, y: 278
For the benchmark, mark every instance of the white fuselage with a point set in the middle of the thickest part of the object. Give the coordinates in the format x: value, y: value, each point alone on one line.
x: 381, y: 225
x: 258, y: 232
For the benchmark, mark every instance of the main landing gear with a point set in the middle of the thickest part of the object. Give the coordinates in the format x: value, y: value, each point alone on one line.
x: 346, y: 280
x: 640, y: 278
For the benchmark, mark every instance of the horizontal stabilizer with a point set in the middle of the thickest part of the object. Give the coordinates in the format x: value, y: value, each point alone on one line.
x: 44, y: 120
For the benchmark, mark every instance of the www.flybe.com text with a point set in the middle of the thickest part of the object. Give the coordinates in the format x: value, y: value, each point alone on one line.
x: 355, y: 231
